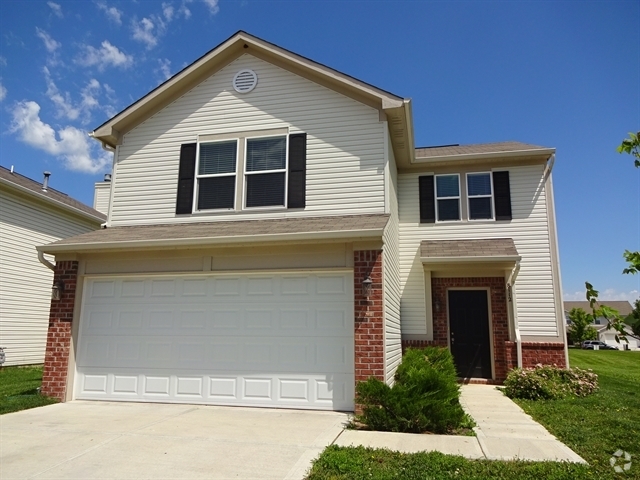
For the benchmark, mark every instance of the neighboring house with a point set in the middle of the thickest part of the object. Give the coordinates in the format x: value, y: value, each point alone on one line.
x: 274, y: 236
x: 606, y: 335
x: 31, y: 215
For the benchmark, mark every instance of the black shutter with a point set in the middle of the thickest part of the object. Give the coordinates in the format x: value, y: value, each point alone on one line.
x: 186, y: 173
x: 502, y: 195
x: 297, y: 170
x: 427, y: 200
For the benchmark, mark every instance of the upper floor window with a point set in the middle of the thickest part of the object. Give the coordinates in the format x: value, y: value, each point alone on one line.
x: 448, y: 197
x: 243, y: 171
x: 480, y: 196
x: 488, y: 197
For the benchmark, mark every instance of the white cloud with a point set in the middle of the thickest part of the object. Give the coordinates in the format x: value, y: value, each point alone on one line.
x: 164, y: 68
x: 57, y: 9
x: 184, y: 10
x: 69, y: 144
x: 49, y: 43
x: 608, y: 294
x: 168, y: 11
x: 62, y: 102
x: 81, y: 110
x: 105, y: 56
x: 3, y: 61
x: 143, y: 31
x: 112, y: 13
x: 3, y: 92
x: 212, y: 5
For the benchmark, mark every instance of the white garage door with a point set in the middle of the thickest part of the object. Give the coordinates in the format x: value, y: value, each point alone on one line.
x: 271, y: 340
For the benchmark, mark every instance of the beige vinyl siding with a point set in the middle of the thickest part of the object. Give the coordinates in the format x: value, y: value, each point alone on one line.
x: 25, y: 283
x: 529, y: 229
x: 101, y: 197
x: 391, y: 271
x: 345, y: 145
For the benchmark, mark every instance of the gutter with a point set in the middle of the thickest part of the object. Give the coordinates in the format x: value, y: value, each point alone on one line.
x: 208, y: 241
x: 480, y: 156
x: 516, y: 328
x: 44, y: 261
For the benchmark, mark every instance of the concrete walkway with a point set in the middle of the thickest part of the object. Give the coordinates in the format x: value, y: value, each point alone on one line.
x: 503, y: 432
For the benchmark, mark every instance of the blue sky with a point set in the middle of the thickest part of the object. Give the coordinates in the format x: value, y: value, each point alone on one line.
x: 563, y: 74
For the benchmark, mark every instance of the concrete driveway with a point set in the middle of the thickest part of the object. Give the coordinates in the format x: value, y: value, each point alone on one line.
x: 85, y: 440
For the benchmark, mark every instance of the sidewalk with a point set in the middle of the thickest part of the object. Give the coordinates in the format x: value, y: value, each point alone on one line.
x: 503, y: 432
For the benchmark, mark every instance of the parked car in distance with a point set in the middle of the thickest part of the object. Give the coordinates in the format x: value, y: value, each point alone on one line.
x: 591, y: 344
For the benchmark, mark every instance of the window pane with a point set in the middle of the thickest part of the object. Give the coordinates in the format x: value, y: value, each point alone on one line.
x: 266, y: 154
x: 479, y: 184
x: 265, y: 190
x: 447, y: 186
x: 448, y: 209
x: 219, y: 157
x: 216, y: 192
x: 480, y: 208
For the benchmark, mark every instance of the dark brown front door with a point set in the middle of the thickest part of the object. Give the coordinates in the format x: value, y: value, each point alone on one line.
x: 469, y: 332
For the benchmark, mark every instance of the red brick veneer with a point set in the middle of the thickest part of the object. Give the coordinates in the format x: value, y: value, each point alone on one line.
x: 533, y: 353
x: 56, y: 361
x: 369, y: 317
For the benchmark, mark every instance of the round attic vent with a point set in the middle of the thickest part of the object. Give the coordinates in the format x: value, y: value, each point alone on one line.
x: 245, y: 81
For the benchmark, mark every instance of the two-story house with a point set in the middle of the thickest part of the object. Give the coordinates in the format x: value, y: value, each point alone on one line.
x: 273, y: 237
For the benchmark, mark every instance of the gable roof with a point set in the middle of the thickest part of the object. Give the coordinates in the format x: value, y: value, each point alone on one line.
x: 397, y: 109
x: 33, y: 189
x: 623, y: 307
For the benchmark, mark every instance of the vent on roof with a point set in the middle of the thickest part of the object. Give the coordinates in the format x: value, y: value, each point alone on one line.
x: 245, y: 81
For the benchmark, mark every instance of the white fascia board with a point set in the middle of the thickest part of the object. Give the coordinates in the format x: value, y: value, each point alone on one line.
x: 50, y: 201
x: 208, y: 241
x: 476, y: 259
x: 491, y: 155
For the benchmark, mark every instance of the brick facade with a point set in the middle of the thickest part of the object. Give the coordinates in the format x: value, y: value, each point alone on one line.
x: 504, y: 350
x: 56, y: 361
x: 369, y: 316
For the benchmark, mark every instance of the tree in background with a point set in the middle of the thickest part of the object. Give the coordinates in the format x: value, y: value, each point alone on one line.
x: 580, y: 328
x: 631, y: 146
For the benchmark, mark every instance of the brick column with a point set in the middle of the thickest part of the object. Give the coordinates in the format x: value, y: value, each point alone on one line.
x: 369, y: 318
x: 56, y: 360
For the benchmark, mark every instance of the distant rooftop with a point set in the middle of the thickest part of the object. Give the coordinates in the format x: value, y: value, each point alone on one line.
x: 622, y: 306
x: 51, y: 195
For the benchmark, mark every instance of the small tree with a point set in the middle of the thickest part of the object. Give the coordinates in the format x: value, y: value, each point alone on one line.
x: 580, y: 328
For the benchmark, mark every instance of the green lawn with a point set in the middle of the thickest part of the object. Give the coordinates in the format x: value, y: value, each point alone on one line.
x: 594, y: 427
x: 18, y: 389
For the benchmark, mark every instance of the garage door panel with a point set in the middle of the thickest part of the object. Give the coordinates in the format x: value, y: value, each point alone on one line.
x: 254, y: 339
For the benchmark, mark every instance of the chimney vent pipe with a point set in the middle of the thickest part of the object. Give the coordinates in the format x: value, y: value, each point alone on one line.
x: 45, y: 182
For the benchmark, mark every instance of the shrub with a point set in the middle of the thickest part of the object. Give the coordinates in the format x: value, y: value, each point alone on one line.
x: 549, y: 382
x: 424, y: 397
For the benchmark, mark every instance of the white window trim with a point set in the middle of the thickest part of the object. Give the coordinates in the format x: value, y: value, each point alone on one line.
x: 459, y: 197
x: 491, y: 196
x: 240, y: 184
x: 284, y: 170
x: 198, y: 176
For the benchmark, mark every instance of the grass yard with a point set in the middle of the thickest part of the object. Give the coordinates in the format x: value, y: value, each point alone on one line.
x: 18, y: 389
x: 594, y: 427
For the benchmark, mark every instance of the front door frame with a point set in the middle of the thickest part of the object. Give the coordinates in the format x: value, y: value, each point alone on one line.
x: 489, y: 319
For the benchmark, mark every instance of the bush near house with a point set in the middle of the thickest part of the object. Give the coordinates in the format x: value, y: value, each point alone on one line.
x: 424, y: 398
x: 549, y: 382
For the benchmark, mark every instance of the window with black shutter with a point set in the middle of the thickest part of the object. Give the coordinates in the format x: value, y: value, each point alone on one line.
x: 186, y: 172
x: 217, y: 163
x: 502, y: 195
x: 427, y: 199
x: 265, y: 171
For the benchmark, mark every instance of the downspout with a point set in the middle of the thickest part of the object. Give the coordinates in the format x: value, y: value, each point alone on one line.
x: 514, y: 309
x: 45, y: 262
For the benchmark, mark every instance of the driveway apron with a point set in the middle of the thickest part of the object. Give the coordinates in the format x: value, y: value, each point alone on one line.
x: 87, y: 440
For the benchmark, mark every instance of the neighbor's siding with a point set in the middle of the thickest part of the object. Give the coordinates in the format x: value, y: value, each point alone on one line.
x: 345, y: 150
x: 391, y: 270
x: 101, y: 197
x: 25, y: 283
x: 529, y: 230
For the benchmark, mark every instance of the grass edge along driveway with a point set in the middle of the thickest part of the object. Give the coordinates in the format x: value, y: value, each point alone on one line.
x: 594, y: 427
x: 19, y: 389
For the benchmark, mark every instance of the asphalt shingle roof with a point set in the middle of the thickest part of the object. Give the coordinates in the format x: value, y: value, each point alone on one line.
x: 50, y: 194
x: 623, y: 307
x: 496, y: 247
x: 479, y: 148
